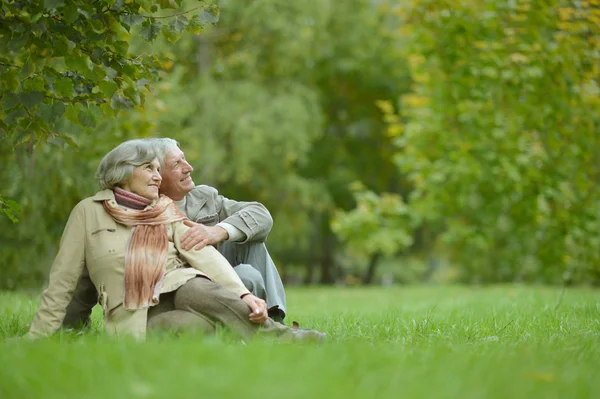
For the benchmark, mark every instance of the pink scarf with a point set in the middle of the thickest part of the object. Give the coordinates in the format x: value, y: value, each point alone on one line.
x: 146, y: 256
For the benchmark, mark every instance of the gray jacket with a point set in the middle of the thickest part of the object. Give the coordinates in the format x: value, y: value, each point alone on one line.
x: 205, y: 205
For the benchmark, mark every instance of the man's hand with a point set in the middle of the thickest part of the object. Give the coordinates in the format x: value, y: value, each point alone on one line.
x: 259, y: 308
x: 199, y: 236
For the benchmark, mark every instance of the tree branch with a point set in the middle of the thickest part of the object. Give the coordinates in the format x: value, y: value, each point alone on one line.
x: 75, y: 101
x: 174, y: 15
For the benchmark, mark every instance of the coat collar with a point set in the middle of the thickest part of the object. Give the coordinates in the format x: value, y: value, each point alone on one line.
x: 105, y: 195
x: 195, y: 205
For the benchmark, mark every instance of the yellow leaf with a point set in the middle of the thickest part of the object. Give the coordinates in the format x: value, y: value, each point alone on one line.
x: 395, y: 130
x: 518, y: 58
x: 385, y: 106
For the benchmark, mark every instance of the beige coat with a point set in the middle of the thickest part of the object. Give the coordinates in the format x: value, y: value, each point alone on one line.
x: 92, y: 238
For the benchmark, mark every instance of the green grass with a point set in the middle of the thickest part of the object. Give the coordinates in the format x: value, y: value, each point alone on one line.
x: 400, y: 342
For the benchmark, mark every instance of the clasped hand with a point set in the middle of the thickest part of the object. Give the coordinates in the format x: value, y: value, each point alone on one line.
x: 259, y: 308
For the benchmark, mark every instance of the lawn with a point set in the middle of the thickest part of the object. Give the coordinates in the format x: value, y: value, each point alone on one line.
x: 397, y: 342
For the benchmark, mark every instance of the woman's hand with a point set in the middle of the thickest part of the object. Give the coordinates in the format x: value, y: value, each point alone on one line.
x: 258, y: 314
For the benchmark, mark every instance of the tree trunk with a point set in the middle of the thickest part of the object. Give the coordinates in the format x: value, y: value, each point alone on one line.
x: 370, y: 274
x: 327, y: 251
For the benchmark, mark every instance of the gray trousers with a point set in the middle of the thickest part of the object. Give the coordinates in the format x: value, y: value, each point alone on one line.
x: 201, y: 304
x: 254, y: 266
x: 259, y: 274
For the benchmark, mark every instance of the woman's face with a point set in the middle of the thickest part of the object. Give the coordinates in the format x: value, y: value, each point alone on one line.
x: 145, y: 180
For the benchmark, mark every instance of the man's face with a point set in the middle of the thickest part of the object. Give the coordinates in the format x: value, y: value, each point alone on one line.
x: 176, y: 178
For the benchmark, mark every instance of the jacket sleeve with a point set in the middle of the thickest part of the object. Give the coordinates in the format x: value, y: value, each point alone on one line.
x: 210, y: 262
x: 64, y: 275
x: 252, y: 218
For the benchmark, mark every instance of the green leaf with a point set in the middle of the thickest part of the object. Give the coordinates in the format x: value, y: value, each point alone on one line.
x: 36, y: 17
x: 82, y: 64
x: 118, y: 4
x: 35, y: 83
x: 107, y: 110
x: 14, y: 115
x: 10, y: 208
x: 70, y: 14
x: 27, y: 69
x: 119, y: 102
x: 64, y: 87
x: 150, y: 30
x: 87, y: 10
x: 165, y: 4
x: 133, y: 95
x: 87, y: 118
x: 179, y: 24
x: 71, y: 114
x: 45, y: 112
x: 69, y: 141
x: 17, y: 43
x: 51, y: 113
x: 63, y: 46
x: 10, y: 101
x: 98, y: 26
x: 195, y: 25
x: 146, y: 4
x: 31, y: 98
x: 58, y: 109
x: 170, y: 33
x: 108, y: 87
x: 131, y: 20
x: 10, y: 80
x: 121, y: 46
x: 210, y: 16
x: 111, y: 73
x: 53, y: 4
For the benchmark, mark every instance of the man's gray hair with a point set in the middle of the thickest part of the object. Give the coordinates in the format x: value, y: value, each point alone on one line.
x: 117, y: 166
x: 163, y: 146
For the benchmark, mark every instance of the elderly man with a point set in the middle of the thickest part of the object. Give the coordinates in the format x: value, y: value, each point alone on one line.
x: 238, y: 229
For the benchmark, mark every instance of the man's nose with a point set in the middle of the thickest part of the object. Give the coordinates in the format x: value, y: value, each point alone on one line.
x: 187, y: 168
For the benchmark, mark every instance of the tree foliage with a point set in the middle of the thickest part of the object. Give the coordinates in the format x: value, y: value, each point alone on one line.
x: 70, y: 60
x: 500, y: 135
x: 278, y: 103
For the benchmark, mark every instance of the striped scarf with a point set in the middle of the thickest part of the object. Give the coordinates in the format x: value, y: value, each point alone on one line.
x: 146, y: 256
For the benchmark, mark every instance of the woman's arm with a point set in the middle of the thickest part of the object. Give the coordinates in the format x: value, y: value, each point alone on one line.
x: 210, y: 262
x: 64, y: 274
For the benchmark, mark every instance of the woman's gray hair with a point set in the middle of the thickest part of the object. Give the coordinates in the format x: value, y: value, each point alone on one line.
x: 163, y: 146
x: 117, y: 166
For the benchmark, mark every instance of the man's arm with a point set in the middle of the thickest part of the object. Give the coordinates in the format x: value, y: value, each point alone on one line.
x: 239, y: 221
x: 251, y: 218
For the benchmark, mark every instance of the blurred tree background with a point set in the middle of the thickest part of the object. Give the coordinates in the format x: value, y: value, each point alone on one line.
x: 393, y: 141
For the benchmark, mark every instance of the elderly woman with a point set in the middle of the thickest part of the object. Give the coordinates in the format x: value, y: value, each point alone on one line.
x: 129, y: 237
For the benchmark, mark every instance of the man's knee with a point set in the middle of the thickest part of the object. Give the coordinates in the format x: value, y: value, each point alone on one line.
x: 252, y: 279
